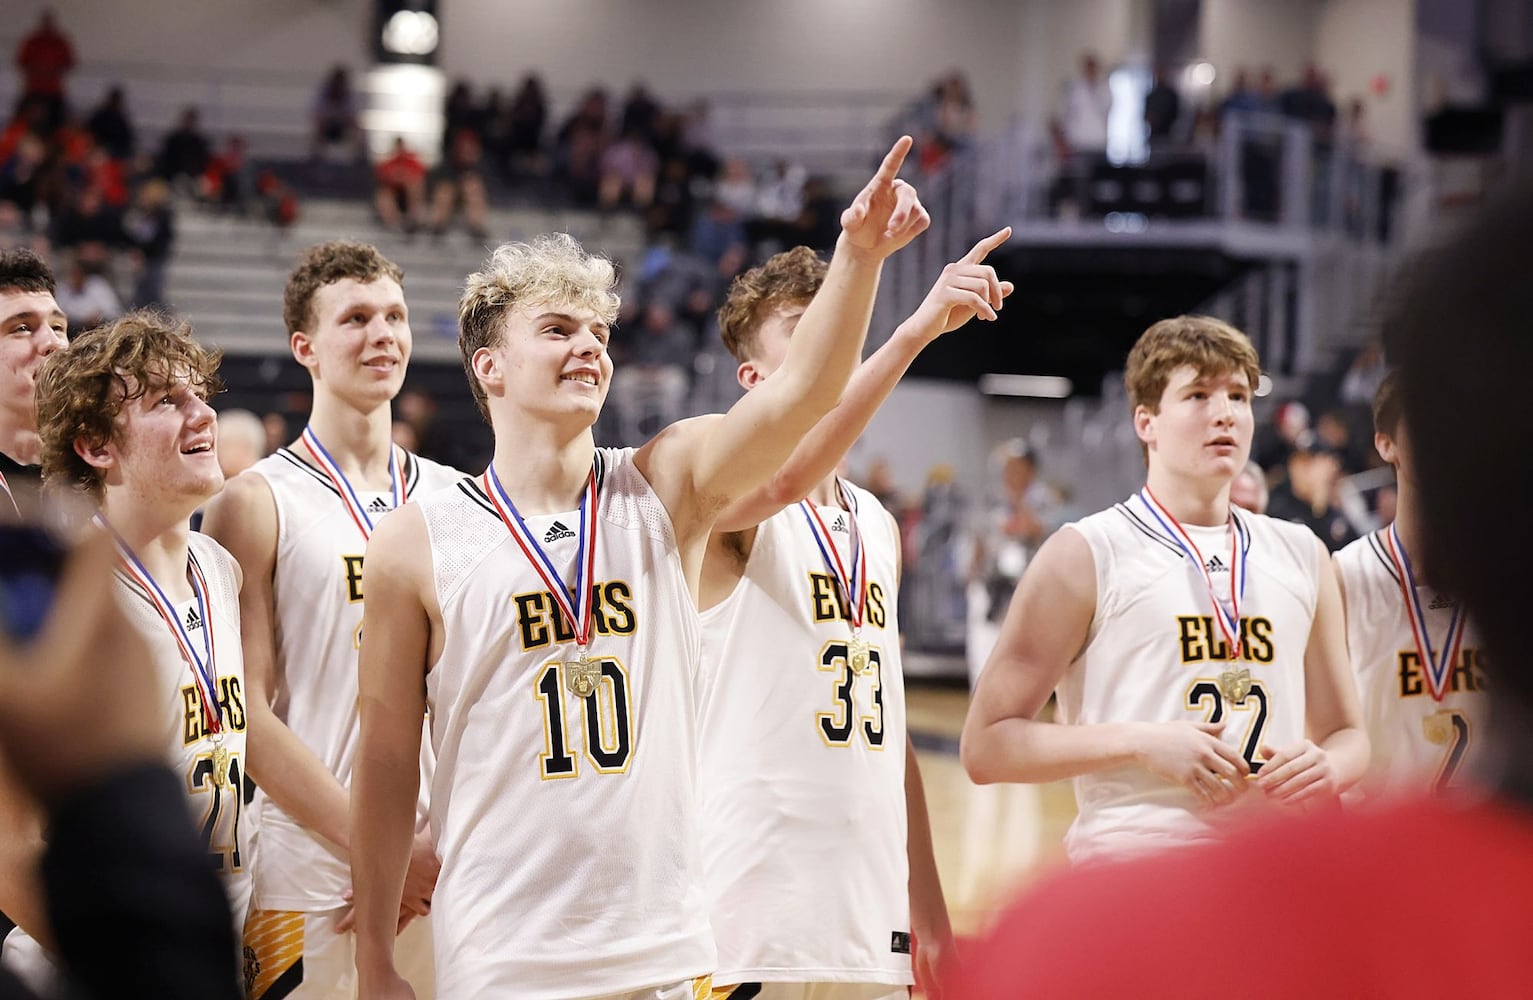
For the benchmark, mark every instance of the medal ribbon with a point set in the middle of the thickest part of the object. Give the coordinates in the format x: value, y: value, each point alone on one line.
x: 1228, y: 618
x: 1439, y: 669
x: 204, y: 664
x: 5, y: 488
x: 579, y: 612
x: 852, y: 586
x: 343, y: 486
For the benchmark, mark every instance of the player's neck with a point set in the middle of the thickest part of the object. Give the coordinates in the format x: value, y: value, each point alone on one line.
x: 20, y: 444
x: 825, y: 493
x: 359, y: 441
x: 1199, y: 503
x: 541, y: 472
x: 159, y: 537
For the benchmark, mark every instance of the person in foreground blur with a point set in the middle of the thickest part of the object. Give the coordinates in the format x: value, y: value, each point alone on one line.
x: 1332, y: 896
x: 130, y: 895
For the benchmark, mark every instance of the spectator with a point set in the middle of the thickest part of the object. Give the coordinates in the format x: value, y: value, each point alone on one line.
x: 529, y: 116
x: 229, y: 181
x: 44, y: 58
x: 1308, y: 497
x: 1162, y: 108
x: 1249, y: 490
x: 737, y: 187
x: 150, y: 228
x: 241, y: 441
x: 628, y: 169
x: 652, y: 378
x: 110, y: 127
x: 1275, y: 441
x: 22, y: 174
x: 459, y: 185
x: 1364, y: 375
x: 86, y: 297
x: 581, y: 141
x: 185, y: 152
x: 1242, y: 97
x: 1309, y: 102
x: 780, y: 197
x: 818, y: 225
x: 1334, y: 431
x: 641, y: 114
x: 954, y: 112
x: 335, y: 116
x: 460, y: 114
x: 88, y: 226
x: 1024, y: 514
x: 401, y: 188
x: 698, y: 142
x: 1081, y: 128
x: 671, y: 211
x: 715, y: 232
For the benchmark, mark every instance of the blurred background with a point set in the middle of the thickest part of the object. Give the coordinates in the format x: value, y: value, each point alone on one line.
x: 1270, y: 163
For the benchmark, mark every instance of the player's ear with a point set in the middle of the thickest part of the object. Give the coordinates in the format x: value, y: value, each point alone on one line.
x: 487, y: 368
x: 96, y: 454
x: 1386, y: 447
x: 302, y: 346
x: 748, y: 375
x: 1144, y: 424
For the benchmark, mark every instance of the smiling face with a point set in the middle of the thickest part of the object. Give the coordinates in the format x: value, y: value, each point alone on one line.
x: 1202, y: 429
x: 31, y: 327
x: 360, y: 345
x: 550, y: 362
x: 163, y: 452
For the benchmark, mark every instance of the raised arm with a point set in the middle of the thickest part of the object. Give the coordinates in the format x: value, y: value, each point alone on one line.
x: 1334, y: 753
x: 967, y: 288
x: 396, y: 650
x: 243, y: 519
x: 699, y: 466
x: 1045, y: 629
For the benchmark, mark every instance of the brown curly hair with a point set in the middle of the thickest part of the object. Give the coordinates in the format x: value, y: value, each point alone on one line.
x: 787, y: 279
x: 324, y: 264
x: 82, y: 388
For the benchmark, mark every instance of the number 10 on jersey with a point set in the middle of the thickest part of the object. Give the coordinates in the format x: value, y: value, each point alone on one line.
x: 604, y: 717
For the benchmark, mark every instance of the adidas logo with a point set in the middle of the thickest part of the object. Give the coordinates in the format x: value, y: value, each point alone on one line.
x: 193, y: 620
x: 1440, y: 602
x: 840, y: 524
x: 556, y: 531
x: 1216, y: 565
x: 379, y: 506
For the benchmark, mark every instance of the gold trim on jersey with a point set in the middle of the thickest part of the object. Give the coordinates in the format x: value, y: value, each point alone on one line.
x: 272, y: 946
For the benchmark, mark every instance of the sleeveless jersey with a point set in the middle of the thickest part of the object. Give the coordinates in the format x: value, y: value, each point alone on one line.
x: 1417, y: 741
x: 1155, y: 653
x: 317, y: 618
x: 803, y: 762
x: 215, y: 803
x: 566, y: 825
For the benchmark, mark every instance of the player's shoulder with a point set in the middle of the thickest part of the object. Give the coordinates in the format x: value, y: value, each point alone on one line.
x: 209, y: 551
x: 424, y: 475
x: 1363, y: 557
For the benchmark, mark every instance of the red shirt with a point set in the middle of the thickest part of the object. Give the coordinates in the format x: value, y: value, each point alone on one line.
x: 44, y: 57
x: 401, y: 169
x: 1422, y: 899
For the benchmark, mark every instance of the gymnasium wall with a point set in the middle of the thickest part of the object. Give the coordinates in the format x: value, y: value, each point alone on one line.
x: 1358, y: 40
x: 1252, y: 34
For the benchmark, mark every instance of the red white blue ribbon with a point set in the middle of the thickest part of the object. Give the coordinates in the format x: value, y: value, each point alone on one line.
x: 579, y: 611
x: 203, y: 663
x: 852, y: 584
x: 1439, y: 668
x: 343, y: 486
x: 1228, y: 617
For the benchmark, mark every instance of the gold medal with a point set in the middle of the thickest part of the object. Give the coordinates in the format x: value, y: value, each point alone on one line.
x: 220, y: 766
x: 582, y: 675
x: 859, y: 655
x: 1235, y: 683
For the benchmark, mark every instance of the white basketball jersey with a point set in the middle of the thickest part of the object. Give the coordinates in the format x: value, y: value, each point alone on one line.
x: 1155, y: 653
x: 317, y: 616
x: 803, y: 762
x: 566, y: 825
x: 215, y: 803
x: 1418, y: 743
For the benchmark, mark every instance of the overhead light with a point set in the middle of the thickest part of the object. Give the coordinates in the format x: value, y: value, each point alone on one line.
x: 1264, y: 384
x: 1203, y: 74
x: 411, y: 33
x: 1036, y: 386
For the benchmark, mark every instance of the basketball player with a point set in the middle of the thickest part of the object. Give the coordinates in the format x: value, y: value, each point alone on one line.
x: 1417, y: 658
x: 1192, y: 646
x: 802, y: 711
x: 546, y: 611
x: 32, y: 326
x: 124, y: 419
x: 298, y: 521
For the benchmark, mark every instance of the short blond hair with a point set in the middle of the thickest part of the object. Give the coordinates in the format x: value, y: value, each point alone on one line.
x: 552, y: 269
x: 1209, y: 346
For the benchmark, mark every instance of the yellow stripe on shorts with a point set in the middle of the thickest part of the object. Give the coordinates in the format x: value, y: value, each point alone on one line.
x: 273, y: 949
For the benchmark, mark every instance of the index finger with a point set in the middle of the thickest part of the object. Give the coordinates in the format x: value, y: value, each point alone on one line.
x: 982, y: 249
x: 893, y: 161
